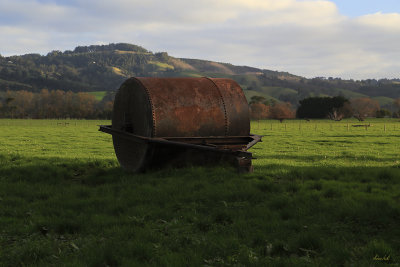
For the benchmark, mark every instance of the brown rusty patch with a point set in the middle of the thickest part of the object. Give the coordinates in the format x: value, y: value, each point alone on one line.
x: 186, y: 106
x: 194, y: 119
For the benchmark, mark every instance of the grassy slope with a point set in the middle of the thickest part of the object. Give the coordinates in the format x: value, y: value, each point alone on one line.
x: 278, y: 91
x: 98, y: 94
x: 384, y: 101
x: 322, y: 194
x: 22, y: 85
x: 347, y: 93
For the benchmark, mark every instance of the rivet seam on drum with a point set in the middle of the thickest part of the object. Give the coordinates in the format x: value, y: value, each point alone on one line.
x: 153, y: 113
x: 223, y: 104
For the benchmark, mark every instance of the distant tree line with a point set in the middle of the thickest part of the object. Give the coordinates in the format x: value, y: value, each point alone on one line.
x: 322, y: 86
x: 54, y: 104
x: 61, y: 104
x: 334, y: 108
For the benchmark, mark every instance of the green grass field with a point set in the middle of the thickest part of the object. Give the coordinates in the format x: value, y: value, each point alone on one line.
x: 323, y: 193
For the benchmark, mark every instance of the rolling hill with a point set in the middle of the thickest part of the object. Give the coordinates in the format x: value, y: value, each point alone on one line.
x: 99, y: 68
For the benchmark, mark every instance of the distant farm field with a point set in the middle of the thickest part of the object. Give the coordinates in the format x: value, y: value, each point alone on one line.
x: 323, y: 193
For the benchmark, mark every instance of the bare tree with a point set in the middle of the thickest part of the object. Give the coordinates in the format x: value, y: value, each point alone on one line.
x: 259, y: 111
x: 364, y: 107
x: 281, y: 111
x: 397, y: 105
x: 337, y: 114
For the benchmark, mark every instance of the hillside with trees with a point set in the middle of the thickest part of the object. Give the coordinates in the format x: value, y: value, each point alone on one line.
x: 104, y: 67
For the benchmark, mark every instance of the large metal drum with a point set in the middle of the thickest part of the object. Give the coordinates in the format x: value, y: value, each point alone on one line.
x: 179, y: 110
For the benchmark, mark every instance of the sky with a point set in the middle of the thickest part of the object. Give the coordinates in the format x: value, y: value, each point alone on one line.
x: 350, y: 39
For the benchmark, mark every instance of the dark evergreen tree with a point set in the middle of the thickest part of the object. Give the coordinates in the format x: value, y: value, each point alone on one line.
x: 320, y: 107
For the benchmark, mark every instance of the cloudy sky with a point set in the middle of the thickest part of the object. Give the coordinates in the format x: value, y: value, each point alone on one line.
x: 355, y: 39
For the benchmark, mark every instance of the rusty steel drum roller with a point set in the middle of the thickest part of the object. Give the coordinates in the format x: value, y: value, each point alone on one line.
x: 161, y: 121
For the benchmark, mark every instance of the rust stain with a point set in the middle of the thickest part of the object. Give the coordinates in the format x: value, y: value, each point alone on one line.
x: 186, y: 106
x: 194, y: 119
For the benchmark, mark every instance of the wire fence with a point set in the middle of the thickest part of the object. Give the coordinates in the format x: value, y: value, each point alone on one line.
x: 372, y: 125
x: 375, y: 125
x: 51, y: 123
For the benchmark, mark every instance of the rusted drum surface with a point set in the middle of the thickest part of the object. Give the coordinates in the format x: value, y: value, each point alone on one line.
x: 175, y: 107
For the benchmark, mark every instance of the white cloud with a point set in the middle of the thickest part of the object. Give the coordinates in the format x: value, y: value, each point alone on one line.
x: 382, y: 21
x: 309, y: 38
x: 20, y: 39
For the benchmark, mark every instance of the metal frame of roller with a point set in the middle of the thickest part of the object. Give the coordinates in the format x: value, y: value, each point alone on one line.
x: 181, y: 121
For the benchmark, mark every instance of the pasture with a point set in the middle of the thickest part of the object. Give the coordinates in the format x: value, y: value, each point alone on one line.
x: 323, y: 193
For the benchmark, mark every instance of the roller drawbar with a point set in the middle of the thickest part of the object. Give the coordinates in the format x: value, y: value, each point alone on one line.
x: 160, y: 122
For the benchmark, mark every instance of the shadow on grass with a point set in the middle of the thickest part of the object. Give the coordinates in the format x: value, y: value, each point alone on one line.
x: 16, y: 168
x: 91, y: 212
x: 313, y: 158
